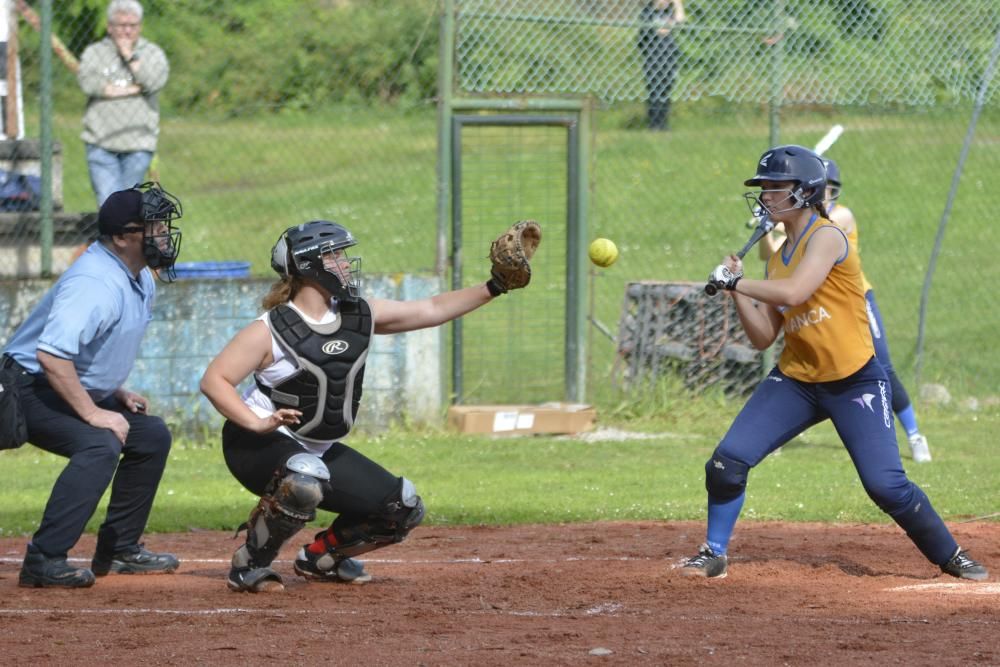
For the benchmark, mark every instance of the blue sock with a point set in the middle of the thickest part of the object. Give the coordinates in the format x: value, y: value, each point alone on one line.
x: 909, y: 420
x: 722, y: 517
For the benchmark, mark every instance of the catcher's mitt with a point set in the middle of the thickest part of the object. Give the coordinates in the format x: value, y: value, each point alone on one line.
x: 510, y: 255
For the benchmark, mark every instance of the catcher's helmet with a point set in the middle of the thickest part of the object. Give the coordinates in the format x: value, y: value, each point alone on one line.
x: 797, y: 164
x: 307, y: 250
x: 832, y: 178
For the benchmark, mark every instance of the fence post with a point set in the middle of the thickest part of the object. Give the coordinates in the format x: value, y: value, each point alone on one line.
x: 45, y: 125
x: 955, y: 178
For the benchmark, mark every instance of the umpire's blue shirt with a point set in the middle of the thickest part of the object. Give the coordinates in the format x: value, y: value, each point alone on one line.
x: 95, y: 315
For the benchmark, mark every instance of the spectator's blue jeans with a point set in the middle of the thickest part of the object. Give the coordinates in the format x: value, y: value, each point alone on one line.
x: 111, y: 171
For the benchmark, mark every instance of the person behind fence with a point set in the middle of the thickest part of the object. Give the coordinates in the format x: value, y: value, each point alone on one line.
x: 122, y: 76
x: 282, y: 436
x: 843, y: 217
x: 660, y: 57
x: 74, y: 353
x: 814, y: 292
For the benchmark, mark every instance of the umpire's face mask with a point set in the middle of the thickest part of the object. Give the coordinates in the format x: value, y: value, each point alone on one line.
x: 161, y: 244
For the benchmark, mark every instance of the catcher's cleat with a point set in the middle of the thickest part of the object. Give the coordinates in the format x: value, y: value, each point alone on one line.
x: 254, y: 580
x: 919, y: 449
x: 136, y: 560
x: 963, y: 567
x: 324, y: 567
x: 39, y: 571
x: 706, y: 564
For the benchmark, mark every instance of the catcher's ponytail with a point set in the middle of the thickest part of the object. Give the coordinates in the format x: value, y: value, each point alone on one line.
x: 283, y: 291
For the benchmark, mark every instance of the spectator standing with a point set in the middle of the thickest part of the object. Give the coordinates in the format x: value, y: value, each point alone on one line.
x: 660, y: 57
x: 122, y: 76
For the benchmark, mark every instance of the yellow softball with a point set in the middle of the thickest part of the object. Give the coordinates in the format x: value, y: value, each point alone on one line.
x: 603, y: 252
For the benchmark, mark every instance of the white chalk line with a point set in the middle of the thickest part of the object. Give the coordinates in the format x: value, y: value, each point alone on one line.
x: 400, y: 561
x: 604, y: 609
x: 951, y: 588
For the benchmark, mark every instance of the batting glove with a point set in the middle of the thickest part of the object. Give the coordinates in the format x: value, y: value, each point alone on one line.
x: 723, y: 278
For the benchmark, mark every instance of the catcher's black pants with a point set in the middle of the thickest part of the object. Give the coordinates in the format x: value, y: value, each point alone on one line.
x: 358, y: 486
x: 96, y: 457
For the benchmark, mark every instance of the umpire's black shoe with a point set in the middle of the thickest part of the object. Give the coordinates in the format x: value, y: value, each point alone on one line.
x: 136, y: 560
x: 40, y: 571
x: 963, y: 567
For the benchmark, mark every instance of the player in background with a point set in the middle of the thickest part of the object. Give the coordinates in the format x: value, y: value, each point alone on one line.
x: 827, y: 370
x: 842, y: 216
x: 282, y: 436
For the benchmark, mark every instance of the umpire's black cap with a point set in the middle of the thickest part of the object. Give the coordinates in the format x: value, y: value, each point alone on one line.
x: 119, y: 210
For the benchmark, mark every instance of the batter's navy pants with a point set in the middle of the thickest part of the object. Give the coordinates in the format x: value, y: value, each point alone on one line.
x: 860, y: 408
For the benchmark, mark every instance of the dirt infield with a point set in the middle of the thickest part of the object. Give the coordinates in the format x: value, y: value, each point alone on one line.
x: 601, y: 593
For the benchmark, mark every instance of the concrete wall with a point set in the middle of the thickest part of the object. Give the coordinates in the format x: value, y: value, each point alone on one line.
x: 194, y: 319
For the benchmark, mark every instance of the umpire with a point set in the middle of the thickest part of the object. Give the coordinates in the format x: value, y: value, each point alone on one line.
x: 75, y: 351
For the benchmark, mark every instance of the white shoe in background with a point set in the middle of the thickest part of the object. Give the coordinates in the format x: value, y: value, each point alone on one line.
x: 919, y: 449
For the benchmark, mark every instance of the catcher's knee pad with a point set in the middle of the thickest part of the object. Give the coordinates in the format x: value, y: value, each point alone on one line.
x: 401, y: 512
x: 289, y: 503
x: 725, y: 478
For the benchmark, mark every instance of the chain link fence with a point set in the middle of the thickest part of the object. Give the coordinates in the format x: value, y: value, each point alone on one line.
x: 686, y: 99
x: 278, y: 112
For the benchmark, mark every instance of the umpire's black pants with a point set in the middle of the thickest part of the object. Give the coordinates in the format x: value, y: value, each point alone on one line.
x: 96, y: 456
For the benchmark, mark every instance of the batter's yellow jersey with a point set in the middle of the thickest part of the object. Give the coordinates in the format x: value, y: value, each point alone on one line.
x: 827, y: 337
x: 852, y: 238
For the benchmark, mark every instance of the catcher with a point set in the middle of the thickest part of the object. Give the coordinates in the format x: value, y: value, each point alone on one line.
x: 282, y: 437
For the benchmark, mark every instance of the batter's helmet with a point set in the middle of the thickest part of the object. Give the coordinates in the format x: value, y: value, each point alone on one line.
x: 300, y: 251
x: 797, y: 164
x: 832, y: 178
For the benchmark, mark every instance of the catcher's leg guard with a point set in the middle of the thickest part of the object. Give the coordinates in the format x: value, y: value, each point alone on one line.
x: 290, y: 503
x: 330, y: 556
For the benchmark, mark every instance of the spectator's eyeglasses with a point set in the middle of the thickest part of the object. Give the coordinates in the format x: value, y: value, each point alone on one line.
x: 126, y: 25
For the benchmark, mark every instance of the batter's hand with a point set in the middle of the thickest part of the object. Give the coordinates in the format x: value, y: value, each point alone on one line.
x: 278, y: 418
x: 734, y: 264
x: 724, y: 278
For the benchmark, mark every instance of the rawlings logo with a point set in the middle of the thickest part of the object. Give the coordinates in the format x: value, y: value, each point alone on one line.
x: 335, y: 347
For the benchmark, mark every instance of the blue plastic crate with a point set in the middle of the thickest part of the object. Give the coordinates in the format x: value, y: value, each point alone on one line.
x: 210, y: 270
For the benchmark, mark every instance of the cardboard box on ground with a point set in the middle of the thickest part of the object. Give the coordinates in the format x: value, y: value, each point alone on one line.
x: 553, y: 418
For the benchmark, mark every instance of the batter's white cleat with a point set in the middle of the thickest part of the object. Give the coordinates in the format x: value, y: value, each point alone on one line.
x: 919, y: 449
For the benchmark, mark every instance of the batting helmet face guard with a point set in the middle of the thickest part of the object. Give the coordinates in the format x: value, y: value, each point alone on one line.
x: 316, y: 251
x: 794, y: 164
x: 832, y: 178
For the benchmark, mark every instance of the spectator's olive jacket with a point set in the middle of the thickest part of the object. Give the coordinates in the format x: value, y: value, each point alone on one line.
x: 122, y: 124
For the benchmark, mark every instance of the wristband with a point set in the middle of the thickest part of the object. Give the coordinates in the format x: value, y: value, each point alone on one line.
x: 494, y: 289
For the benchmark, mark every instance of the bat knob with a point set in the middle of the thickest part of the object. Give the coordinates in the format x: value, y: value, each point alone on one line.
x: 711, y: 289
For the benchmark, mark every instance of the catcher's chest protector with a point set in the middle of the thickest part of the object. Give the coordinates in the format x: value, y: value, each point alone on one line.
x: 331, y: 361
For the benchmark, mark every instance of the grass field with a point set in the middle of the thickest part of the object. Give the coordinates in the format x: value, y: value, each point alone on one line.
x: 673, y: 204
x: 482, y: 480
